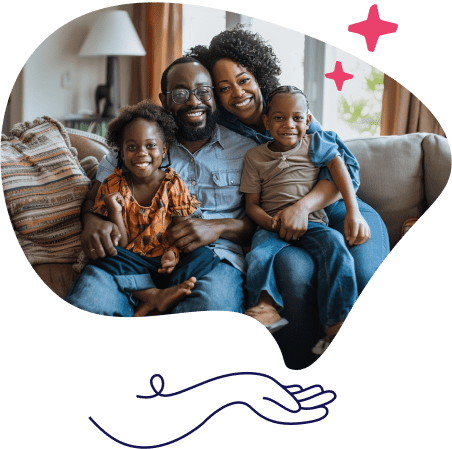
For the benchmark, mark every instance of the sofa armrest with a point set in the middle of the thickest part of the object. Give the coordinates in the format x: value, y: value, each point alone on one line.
x: 437, y: 165
x: 88, y: 144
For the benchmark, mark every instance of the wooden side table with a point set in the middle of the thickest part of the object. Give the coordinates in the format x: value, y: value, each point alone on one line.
x: 89, y: 123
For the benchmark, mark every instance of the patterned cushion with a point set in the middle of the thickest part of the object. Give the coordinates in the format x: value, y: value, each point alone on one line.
x: 44, y: 186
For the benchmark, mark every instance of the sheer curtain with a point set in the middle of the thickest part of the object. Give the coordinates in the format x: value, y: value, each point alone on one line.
x: 159, y: 26
x: 403, y: 113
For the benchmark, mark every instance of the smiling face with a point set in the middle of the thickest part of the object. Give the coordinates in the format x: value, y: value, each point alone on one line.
x: 194, y: 118
x: 287, y: 120
x: 238, y: 91
x: 142, y: 148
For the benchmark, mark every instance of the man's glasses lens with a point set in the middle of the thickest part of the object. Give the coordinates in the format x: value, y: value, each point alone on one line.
x: 181, y: 96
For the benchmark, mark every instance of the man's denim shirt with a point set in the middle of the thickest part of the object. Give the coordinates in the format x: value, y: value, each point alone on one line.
x: 327, y: 138
x: 213, y: 175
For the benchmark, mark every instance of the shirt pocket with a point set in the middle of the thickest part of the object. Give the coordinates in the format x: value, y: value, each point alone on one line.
x: 228, y: 198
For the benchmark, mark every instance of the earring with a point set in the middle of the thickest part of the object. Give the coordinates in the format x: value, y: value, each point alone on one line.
x: 164, y: 155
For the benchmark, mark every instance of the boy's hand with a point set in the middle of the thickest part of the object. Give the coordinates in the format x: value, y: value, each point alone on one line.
x: 114, y: 202
x: 169, y: 262
x: 276, y: 221
x: 356, y: 229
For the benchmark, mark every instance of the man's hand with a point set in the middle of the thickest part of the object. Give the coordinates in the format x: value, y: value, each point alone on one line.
x: 168, y: 261
x: 356, y: 229
x: 99, y: 237
x: 293, y: 222
x: 194, y: 233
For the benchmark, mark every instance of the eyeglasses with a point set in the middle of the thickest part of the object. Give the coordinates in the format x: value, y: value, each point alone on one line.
x: 181, y: 96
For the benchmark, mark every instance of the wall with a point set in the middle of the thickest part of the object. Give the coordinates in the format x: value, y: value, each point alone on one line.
x: 38, y: 90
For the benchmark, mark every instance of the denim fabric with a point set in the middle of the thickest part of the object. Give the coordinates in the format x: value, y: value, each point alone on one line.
x: 213, y: 174
x: 368, y: 256
x: 221, y: 289
x: 290, y: 274
x: 128, y: 264
x: 97, y: 291
x: 93, y: 290
x: 335, y: 274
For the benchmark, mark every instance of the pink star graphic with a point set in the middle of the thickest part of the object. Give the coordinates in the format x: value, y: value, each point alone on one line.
x: 339, y: 76
x: 373, y: 28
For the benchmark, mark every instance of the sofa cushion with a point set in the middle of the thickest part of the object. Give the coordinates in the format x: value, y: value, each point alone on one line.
x: 392, y: 177
x: 44, y: 186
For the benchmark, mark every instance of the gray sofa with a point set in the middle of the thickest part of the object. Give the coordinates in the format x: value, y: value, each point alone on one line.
x: 401, y: 176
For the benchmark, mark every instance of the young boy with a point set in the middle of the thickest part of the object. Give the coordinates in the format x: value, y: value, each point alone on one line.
x: 275, y: 176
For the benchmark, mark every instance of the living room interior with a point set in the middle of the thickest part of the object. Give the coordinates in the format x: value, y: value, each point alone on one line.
x: 58, y: 81
x: 402, y: 151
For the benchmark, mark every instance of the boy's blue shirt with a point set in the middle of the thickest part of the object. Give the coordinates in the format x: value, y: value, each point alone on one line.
x: 321, y: 141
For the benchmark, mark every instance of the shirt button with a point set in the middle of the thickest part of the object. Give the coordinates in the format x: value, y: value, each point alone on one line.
x: 192, y: 159
x: 284, y: 158
x: 193, y: 183
x: 232, y: 181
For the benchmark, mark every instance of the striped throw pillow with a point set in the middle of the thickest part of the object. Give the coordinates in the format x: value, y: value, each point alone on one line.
x: 44, y: 186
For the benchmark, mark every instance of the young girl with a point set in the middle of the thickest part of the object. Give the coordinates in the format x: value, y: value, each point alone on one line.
x: 275, y: 176
x: 144, y: 201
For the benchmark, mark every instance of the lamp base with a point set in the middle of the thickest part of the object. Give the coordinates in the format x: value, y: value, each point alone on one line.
x: 109, y: 91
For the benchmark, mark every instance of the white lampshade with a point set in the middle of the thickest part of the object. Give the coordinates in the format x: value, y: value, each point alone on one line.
x: 113, y: 34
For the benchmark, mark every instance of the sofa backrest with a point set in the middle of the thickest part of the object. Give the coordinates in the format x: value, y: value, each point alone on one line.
x: 401, y: 176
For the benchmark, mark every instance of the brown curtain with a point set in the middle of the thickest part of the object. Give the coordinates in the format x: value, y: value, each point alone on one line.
x: 159, y: 26
x: 403, y: 113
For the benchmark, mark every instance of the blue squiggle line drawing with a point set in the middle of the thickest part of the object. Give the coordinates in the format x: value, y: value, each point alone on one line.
x: 292, y: 390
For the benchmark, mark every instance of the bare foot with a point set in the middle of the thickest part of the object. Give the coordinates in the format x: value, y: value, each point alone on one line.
x: 331, y: 331
x: 264, y: 311
x: 155, y: 300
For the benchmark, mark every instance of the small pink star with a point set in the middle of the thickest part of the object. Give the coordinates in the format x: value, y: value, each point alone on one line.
x: 373, y: 28
x: 339, y: 76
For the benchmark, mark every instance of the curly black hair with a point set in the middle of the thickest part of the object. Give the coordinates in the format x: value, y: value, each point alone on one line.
x: 144, y: 109
x: 245, y: 48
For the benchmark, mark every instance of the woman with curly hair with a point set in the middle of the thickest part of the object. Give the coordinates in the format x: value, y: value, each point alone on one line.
x: 143, y: 201
x: 245, y: 69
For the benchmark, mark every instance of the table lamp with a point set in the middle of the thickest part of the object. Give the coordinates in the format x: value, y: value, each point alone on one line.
x: 112, y: 35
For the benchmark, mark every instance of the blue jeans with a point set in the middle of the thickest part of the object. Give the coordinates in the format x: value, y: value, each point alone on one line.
x: 98, y: 290
x: 295, y: 274
x: 335, y: 274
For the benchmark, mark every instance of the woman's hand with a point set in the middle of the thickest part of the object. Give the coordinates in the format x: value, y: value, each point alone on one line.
x: 114, y: 202
x: 293, y: 222
x: 168, y: 261
x: 356, y: 229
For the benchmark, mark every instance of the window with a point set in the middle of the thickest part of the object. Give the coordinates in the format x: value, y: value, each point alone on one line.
x: 288, y: 46
x: 356, y: 110
x: 200, y: 25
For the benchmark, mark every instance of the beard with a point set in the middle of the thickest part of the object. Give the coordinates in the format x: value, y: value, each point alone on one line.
x: 197, y: 133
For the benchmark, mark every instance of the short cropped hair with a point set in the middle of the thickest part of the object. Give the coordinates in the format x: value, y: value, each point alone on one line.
x: 164, y: 79
x: 285, y: 90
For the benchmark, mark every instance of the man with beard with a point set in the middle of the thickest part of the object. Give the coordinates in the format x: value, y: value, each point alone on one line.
x: 209, y: 158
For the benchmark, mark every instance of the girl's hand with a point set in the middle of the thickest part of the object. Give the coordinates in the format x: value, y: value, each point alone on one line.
x: 114, y: 202
x: 356, y: 229
x: 168, y: 262
x: 293, y: 222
